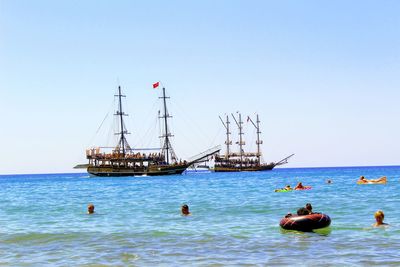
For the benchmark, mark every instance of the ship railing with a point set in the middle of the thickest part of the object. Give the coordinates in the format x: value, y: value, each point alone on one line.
x: 246, y: 154
x: 129, y: 156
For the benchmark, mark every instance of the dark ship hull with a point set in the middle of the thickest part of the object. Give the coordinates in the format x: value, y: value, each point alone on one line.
x: 267, y: 167
x: 109, y: 171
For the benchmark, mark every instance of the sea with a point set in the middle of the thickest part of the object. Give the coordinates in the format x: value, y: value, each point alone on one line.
x: 234, y: 222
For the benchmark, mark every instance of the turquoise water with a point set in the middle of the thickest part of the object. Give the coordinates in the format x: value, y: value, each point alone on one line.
x: 235, y: 219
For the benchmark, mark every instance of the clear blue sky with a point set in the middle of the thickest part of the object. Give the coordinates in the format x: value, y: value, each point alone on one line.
x: 323, y: 75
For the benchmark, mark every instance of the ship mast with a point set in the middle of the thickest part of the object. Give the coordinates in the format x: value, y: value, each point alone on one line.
x: 241, y: 143
x: 227, y: 142
x: 259, y: 142
x: 167, y: 148
x: 122, y: 141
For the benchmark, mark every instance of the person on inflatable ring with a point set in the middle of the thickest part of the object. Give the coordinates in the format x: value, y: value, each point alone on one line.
x: 309, y: 208
x: 303, y: 211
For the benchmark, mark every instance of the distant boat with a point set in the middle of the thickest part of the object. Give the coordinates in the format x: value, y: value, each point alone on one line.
x: 195, y: 168
x: 241, y: 160
x: 123, y: 160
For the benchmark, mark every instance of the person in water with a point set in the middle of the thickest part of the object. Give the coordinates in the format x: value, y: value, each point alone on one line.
x: 185, y: 210
x: 303, y: 211
x: 90, y: 209
x: 362, y: 180
x: 288, y: 188
x: 329, y: 181
x: 299, y: 186
x: 379, y: 216
x: 309, y: 208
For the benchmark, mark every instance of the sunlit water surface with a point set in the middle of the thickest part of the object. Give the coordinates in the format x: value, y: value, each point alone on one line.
x: 235, y: 219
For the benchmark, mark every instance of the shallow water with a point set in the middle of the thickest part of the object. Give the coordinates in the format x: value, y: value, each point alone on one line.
x: 235, y: 219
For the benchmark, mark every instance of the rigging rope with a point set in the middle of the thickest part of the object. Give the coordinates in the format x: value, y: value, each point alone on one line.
x: 142, y: 139
x: 101, y: 124
x: 190, y: 122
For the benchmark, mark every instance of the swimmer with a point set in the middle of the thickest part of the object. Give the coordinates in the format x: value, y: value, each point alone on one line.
x: 288, y: 188
x: 329, y: 181
x: 302, y: 211
x: 185, y: 210
x: 90, y: 209
x: 299, y: 186
x: 381, y: 180
x: 309, y: 208
x: 379, y: 216
x: 362, y: 180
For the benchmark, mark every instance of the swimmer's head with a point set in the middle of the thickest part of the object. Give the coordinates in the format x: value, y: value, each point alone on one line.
x: 185, y: 209
x: 90, y: 209
x: 379, y: 215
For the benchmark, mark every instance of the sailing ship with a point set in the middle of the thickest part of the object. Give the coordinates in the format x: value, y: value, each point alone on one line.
x: 243, y: 161
x: 123, y: 160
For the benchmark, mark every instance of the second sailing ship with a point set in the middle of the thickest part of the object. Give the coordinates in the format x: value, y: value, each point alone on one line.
x: 241, y: 160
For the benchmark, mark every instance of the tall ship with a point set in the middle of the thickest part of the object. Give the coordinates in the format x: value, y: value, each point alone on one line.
x: 240, y: 160
x: 124, y: 160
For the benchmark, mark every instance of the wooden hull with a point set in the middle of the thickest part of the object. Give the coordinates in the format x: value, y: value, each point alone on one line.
x: 244, y: 169
x: 122, y: 171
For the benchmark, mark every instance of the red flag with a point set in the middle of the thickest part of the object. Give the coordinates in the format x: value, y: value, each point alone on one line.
x: 155, y: 85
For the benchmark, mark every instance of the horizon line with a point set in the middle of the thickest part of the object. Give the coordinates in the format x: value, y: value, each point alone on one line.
x: 325, y: 167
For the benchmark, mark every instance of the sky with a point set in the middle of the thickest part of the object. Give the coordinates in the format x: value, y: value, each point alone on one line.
x: 322, y: 75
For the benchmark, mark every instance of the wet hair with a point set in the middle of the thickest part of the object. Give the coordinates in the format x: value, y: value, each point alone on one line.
x: 303, y: 211
x: 185, y: 209
x: 90, y: 208
x: 379, y: 213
